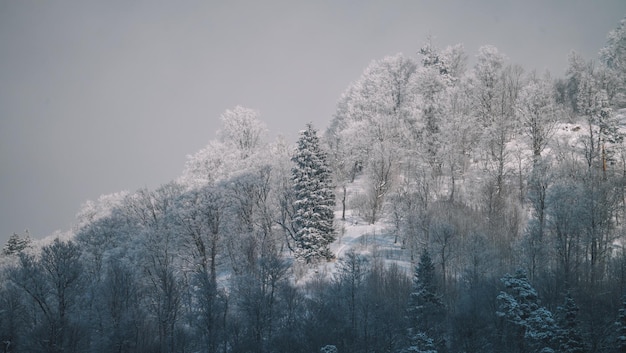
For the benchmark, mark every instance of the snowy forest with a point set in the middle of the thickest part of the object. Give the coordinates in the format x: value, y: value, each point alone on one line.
x: 456, y: 202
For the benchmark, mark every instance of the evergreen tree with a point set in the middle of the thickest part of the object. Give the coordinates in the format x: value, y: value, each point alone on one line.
x: 420, y: 343
x: 621, y: 328
x: 519, y: 305
x: 424, y: 302
x: 16, y: 244
x: 314, y: 199
x: 570, y: 340
x: 425, y: 310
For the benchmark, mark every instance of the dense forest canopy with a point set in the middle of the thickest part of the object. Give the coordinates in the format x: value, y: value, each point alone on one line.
x: 448, y: 207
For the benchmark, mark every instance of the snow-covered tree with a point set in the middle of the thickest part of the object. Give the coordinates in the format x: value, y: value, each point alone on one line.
x: 569, y: 337
x: 241, y: 136
x: 537, y: 110
x: 53, y: 282
x: 425, y: 309
x: 488, y: 75
x: 16, y: 244
x: 613, y: 56
x: 420, y: 343
x: 424, y: 302
x: 242, y: 129
x: 328, y: 349
x: 314, y: 199
x: 593, y: 104
x: 375, y: 124
x: 519, y: 305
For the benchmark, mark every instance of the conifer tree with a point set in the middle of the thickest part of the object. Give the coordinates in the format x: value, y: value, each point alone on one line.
x: 16, y: 244
x: 621, y: 328
x: 425, y: 310
x: 519, y: 305
x: 314, y: 199
x: 570, y: 340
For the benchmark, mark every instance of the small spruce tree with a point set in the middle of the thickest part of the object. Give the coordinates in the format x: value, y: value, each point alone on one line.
x: 569, y: 337
x: 425, y: 309
x: 314, y: 199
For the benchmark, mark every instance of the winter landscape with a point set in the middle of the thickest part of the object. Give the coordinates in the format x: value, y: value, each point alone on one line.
x: 456, y: 202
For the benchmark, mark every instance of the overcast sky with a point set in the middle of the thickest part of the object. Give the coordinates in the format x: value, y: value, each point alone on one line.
x: 102, y: 96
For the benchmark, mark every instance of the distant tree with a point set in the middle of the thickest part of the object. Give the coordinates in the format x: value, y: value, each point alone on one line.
x: 14, y: 322
x: 256, y: 295
x: 350, y: 278
x: 328, y: 349
x: 159, y: 261
x: 242, y: 129
x: 537, y: 110
x: 425, y: 309
x: 242, y: 136
x: 53, y: 282
x: 314, y: 199
x: 16, y: 244
x: 434, y: 81
x: 593, y: 104
x: 613, y: 56
x: 487, y: 75
x: 533, y: 325
x: 569, y: 337
x: 577, y: 68
x: 386, y: 296
x: 420, y: 343
x: 376, y: 123
x: 621, y: 328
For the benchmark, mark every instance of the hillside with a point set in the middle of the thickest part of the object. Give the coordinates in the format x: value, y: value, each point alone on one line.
x: 444, y: 209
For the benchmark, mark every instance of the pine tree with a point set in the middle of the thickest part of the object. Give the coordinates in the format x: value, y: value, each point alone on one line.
x: 314, y: 199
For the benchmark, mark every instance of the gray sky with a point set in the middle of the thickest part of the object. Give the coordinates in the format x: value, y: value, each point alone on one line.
x: 102, y: 96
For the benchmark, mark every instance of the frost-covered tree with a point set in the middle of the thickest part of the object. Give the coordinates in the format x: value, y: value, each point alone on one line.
x: 593, y: 104
x: 314, y: 199
x: 375, y: 125
x: 569, y: 337
x: 241, y: 136
x: 53, y: 281
x: 613, y: 56
x: 537, y: 110
x: 329, y: 349
x: 532, y: 325
x: 351, y: 275
x: 242, y: 129
x: 420, y: 343
x: 488, y: 83
x: 16, y: 244
x: 425, y: 309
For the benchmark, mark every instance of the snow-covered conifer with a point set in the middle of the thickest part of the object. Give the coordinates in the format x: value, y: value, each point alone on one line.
x: 314, y: 199
x: 16, y: 244
x: 519, y: 305
x: 569, y: 336
x: 420, y: 343
x: 425, y: 310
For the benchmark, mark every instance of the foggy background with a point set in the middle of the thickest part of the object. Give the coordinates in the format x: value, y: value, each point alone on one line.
x: 99, y: 97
